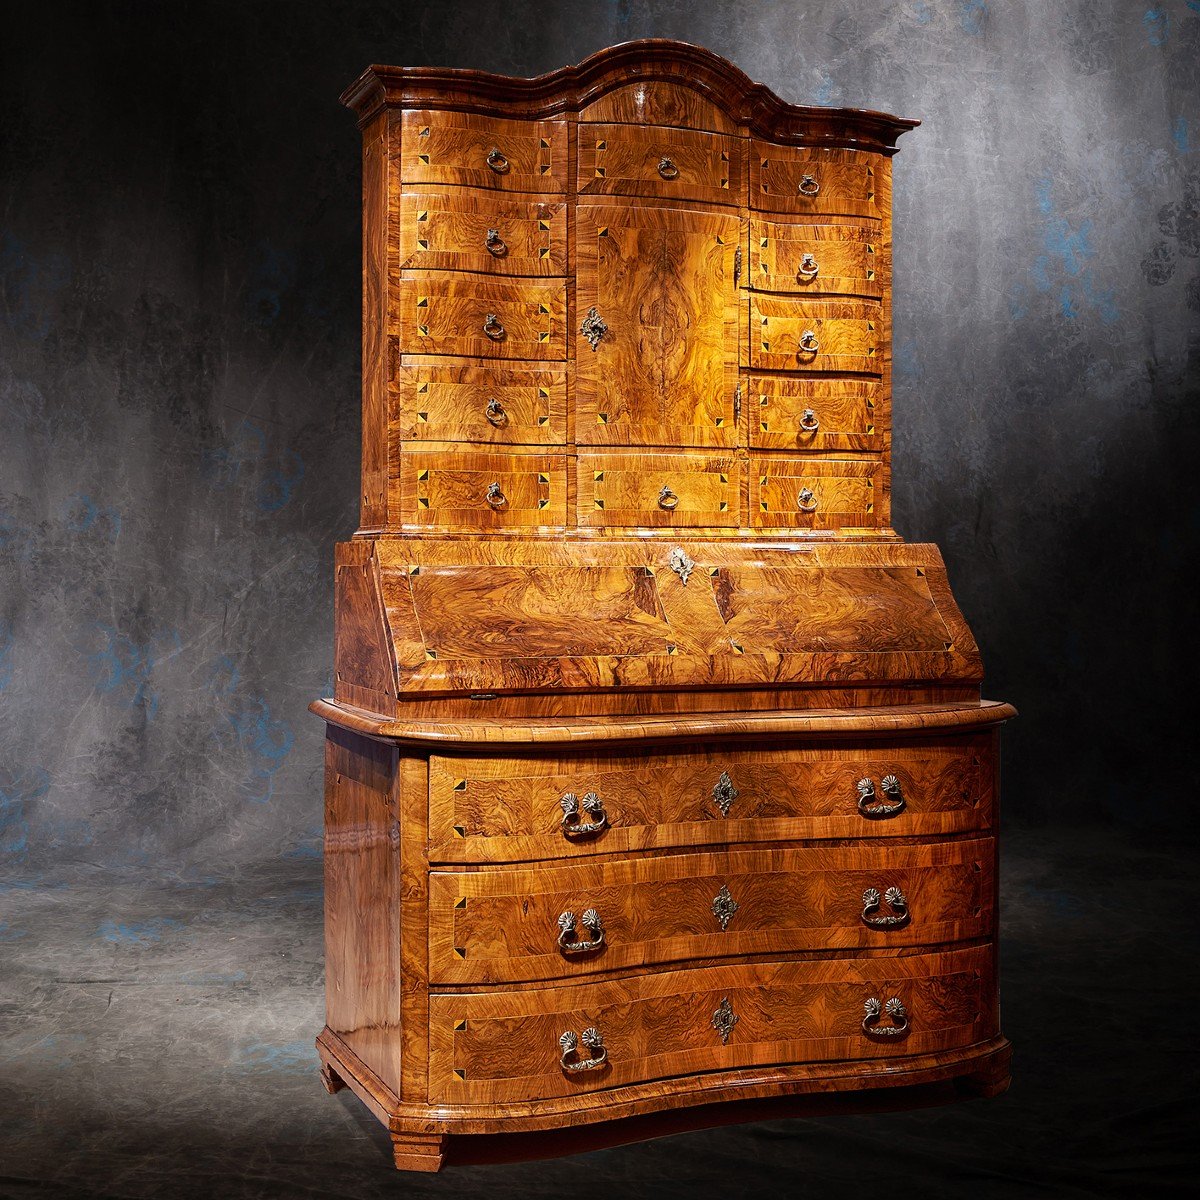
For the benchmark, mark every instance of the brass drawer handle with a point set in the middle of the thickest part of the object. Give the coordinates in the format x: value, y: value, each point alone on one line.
x: 495, y: 413
x: 593, y: 1040
x: 808, y: 342
x: 808, y: 268
x: 724, y: 906
x: 809, y: 421
x: 806, y: 501
x: 667, y: 499
x: 593, y: 327
x: 566, y: 932
x: 724, y: 793
x: 495, y: 243
x: 495, y: 497
x: 497, y: 161
x: 894, y: 899
x: 867, y: 798
x: 572, y: 806
x: 808, y: 186
x: 896, y: 1013
x: 667, y: 168
x: 493, y: 328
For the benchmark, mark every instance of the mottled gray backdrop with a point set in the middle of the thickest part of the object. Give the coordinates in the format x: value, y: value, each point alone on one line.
x: 179, y: 371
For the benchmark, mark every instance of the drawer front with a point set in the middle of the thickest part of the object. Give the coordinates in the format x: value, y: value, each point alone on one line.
x: 515, y: 925
x: 473, y: 231
x: 441, y: 402
x: 813, y: 258
x: 815, y: 335
x: 673, y: 490
x: 484, y: 152
x: 507, y: 1046
x: 463, y: 489
x: 803, y: 180
x: 511, y: 809
x: 673, y: 164
x: 790, y: 493
x: 481, y: 318
x: 787, y: 413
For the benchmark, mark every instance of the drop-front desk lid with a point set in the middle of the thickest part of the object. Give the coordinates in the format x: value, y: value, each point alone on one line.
x: 460, y: 616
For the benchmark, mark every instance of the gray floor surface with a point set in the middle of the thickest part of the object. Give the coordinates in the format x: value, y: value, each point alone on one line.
x: 156, y: 1040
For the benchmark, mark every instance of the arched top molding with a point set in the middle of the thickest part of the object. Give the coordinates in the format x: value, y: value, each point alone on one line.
x: 567, y: 90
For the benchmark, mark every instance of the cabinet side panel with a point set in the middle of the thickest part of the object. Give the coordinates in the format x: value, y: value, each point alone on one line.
x: 362, y: 914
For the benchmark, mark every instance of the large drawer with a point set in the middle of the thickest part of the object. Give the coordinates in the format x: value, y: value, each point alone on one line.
x: 547, y: 923
x: 792, y: 334
x: 511, y: 809
x: 508, y: 1046
x: 802, y: 179
x: 811, y: 257
x: 791, y: 413
x: 673, y: 490
x: 826, y: 493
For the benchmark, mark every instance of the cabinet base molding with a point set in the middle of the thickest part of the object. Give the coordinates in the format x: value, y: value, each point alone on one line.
x: 428, y: 1137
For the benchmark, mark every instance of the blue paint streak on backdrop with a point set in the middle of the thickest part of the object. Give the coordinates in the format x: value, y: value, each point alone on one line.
x: 1158, y: 26
x: 7, y: 644
x: 972, y: 14
x: 126, y: 667
x: 1179, y: 135
x: 17, y: 794
x: 137, y: 933
x: 287, y: 1056
x: 84, y: 515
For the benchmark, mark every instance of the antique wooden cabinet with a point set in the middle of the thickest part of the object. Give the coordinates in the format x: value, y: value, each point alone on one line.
x: 659, y: 790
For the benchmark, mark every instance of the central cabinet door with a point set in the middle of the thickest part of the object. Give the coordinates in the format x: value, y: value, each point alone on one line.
x: 656, y: 326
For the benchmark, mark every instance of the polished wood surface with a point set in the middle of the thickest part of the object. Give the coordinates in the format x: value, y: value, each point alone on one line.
x: 658, y: 785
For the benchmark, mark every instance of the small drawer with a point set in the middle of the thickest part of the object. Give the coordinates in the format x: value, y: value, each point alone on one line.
x: 484, y: 152
x: 509, y: 926
x: 452, y: 489
x: 524, y: 808
x: 472, y: 231
x: 818, y: 336
x: 482, y: 318
x: 789, y: 413
x: 440, y: 402
x: 673, y: 490
x: 672, y: 164
x: 799, y: 179
x: 791, y: 493
x: 812, y: 258
x: 536, y: 1044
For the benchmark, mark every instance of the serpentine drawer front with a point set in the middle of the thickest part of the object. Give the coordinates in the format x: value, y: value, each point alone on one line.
x: 657, y: 775
x: 508, y: 1046
x: 563, y: 922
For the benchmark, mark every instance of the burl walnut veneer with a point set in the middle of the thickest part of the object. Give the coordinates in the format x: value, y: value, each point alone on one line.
x: 659, y: 790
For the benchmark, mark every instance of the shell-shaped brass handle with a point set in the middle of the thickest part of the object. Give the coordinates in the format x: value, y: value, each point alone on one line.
x: 573, y: 807
x: 894, y: 899
x: 495, y: 243
x: 495, y: 412
x: 808, y: 268
x: 809, y: 343
x: 806, y: 501
x: 896, y: 1012
x: 808, y: 186
x: 567, y: 942
x: 868, y: 801
x: 493, y: 328
x: 667, y: 168
x: 809, y: 421
x: 667, y: 499
x: 498, y: 161
x: 569, y: 1044
x: 495, y: 497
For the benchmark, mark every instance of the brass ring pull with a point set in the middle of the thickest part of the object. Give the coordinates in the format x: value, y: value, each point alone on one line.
x: 495, y: 243
x: 808, y: 342
x: 495, y: 497
x: 497, y: 161
x: 493, y: 328
x: 593, y: 1040
x: 808, y: 268
x: 896, y: 1013
x: 806, y: 501
x: 495, y: 413
x: 667, y: 168
x: 566, y: 932
x: 808, y: 186
x: 867, y: 798
x: 572, y: 806
x: 809, y: 421
x: 894, y: 899
x: 667, y: 499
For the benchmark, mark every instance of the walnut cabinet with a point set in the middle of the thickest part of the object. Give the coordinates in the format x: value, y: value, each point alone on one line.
x: 659, y: 791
